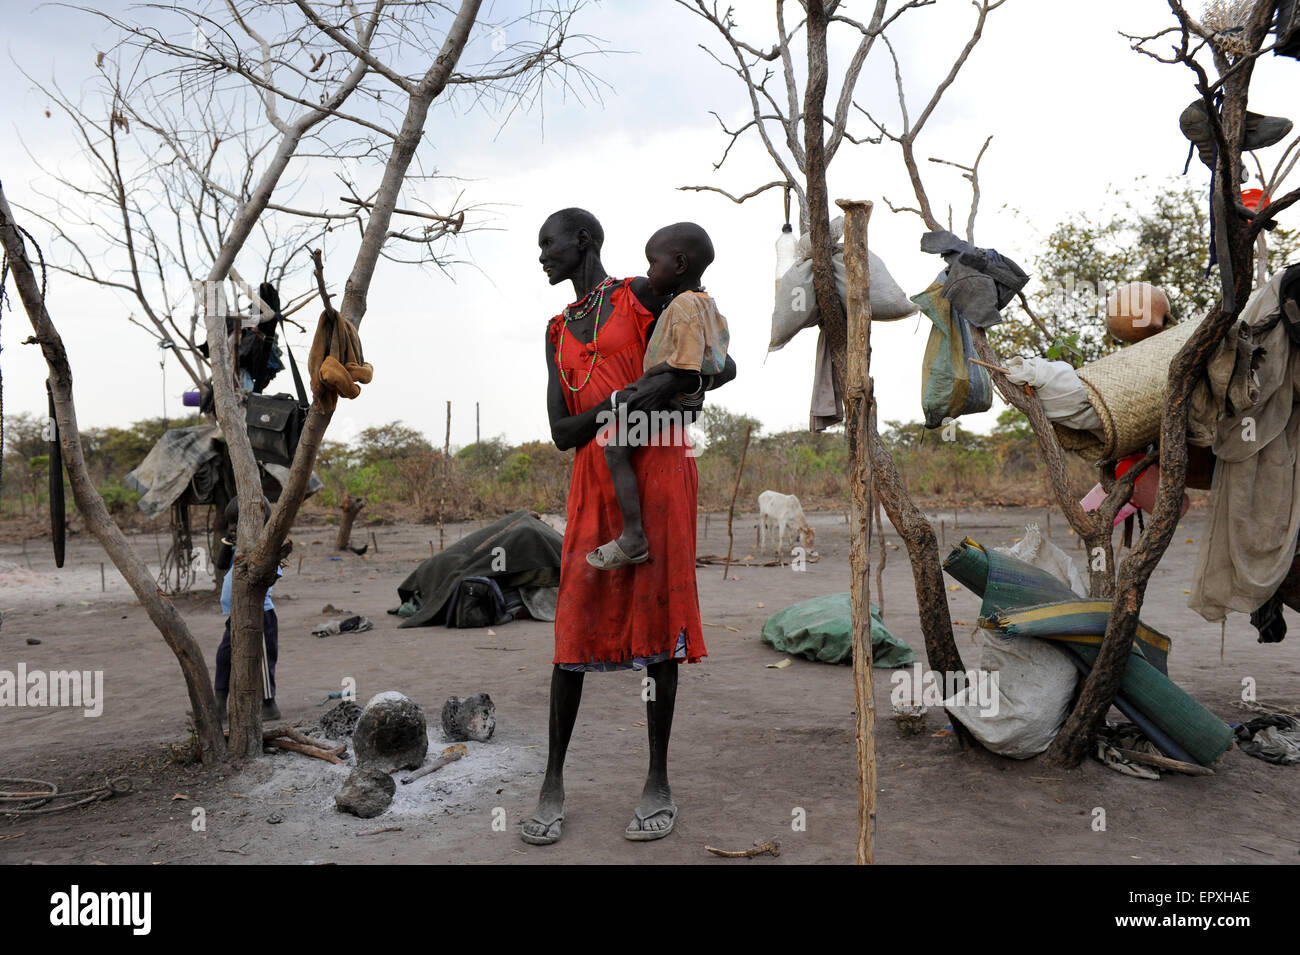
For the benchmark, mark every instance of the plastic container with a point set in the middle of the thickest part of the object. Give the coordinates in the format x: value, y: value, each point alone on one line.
x: 1251, y: 199
x: 785, y: 251
x: 191, y: 398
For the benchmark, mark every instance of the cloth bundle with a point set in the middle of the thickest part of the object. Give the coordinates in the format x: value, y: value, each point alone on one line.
x: 1057, y: 384
x: 980, y: 282
x: 336, y: 362
x: 1249, y: 541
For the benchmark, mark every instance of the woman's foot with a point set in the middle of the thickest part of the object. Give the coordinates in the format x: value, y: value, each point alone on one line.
x: 547, y: 823
x: 654, y: 817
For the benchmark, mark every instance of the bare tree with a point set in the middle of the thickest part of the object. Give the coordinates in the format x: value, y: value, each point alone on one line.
x: 323, y: 74
x: 1095, y: 529
x: 140, y: 224
x: 802, y: 137
x: 1239, y: 228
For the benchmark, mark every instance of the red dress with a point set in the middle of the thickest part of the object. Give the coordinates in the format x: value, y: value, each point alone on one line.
x: 615, y: 616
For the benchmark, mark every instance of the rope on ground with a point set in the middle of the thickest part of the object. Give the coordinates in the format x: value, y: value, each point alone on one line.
x: 32, y: 802
x: 1253, y: 706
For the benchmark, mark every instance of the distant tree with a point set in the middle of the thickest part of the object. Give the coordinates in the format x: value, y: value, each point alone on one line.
x: 725, y: 430
x: 1159, y: 236
x: 335, y: 454
x: 488, y: 454
x: 389, y: 441
x: 24, y: 435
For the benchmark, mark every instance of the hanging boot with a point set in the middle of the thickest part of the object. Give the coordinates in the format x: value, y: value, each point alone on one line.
x: 1261, y: 131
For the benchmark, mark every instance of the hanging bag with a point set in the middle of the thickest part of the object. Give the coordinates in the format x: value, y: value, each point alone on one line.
x: 275, y: 421
x: 951, y: 384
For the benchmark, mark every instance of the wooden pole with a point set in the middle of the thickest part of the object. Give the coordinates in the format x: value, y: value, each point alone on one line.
x: 442, y: 485
x: 857, y: 419
x: 731, y: 510
x: 880, y: 568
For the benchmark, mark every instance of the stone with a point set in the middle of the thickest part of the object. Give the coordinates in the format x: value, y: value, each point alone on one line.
x: 366, y: 793
x: 473, y: 717
x: 391, y: 734
x: 341, y: 720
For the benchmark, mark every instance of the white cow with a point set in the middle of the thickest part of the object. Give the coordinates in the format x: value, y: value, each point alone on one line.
x: 781, y: 512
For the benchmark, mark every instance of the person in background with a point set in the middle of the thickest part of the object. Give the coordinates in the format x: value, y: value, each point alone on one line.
x: 270, y: 624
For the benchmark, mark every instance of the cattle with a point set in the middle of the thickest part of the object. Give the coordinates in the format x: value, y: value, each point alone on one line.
x: 782, y: 512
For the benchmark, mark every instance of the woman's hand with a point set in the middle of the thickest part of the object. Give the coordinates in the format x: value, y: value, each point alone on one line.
x: 656, y: 392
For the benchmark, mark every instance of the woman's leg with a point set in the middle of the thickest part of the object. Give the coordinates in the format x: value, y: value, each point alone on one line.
x: 656, y: 812
x: 566, y: 696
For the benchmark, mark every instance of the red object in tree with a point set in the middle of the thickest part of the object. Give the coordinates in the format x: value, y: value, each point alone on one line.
x: 1254, y: 199
x: 1147, y: 485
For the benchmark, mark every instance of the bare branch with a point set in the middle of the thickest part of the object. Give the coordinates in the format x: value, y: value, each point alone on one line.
x: 775, y: 184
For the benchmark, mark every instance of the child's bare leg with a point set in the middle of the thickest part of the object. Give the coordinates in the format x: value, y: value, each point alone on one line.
x: 618, y: 455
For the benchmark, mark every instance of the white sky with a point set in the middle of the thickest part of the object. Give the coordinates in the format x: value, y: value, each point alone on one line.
x: 1072, y: 110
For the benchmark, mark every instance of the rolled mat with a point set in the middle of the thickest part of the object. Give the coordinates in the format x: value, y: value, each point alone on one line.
x: 1008, y: 585
x: 1127, y: 390
x: 1080, y: 621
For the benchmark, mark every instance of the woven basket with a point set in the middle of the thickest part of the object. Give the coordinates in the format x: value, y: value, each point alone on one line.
x: 1127, y: 390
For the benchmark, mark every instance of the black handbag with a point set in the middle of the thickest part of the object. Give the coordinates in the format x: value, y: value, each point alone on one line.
x: 274, y: 427
x: 275, y: 421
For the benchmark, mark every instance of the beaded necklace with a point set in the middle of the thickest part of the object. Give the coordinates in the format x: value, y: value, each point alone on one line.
x: 576, y: 312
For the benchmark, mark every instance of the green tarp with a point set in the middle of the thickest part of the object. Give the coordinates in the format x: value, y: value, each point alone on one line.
x: 821, y: 629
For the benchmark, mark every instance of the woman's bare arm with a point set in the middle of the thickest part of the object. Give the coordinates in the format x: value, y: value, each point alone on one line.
x: 567, y: 431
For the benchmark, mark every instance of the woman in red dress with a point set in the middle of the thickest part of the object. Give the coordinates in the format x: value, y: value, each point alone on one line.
x: 643, y: 616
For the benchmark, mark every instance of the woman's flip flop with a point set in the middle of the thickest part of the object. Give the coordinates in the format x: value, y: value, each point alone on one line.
x: 636, y: 830
x: 554, y: 828
x: 608, y: 556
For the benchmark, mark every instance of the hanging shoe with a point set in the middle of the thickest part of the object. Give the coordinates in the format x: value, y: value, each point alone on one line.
x: 1261, y: 131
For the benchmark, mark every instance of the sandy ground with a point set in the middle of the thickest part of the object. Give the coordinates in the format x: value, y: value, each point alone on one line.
x: 752, y: 746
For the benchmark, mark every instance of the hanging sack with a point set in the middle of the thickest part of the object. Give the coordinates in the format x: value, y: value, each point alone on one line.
x: 951, y: 384
x: 795, y: 307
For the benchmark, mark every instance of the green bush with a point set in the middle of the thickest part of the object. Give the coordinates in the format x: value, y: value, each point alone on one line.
x: 118, y: 498
x: 517, y: 469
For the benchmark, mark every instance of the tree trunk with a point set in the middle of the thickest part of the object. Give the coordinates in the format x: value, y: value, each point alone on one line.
x: 922, y: 547
x: 161, y: 611
x: 923, y: 554
x: 858, y: 397
x: 350, y: 507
